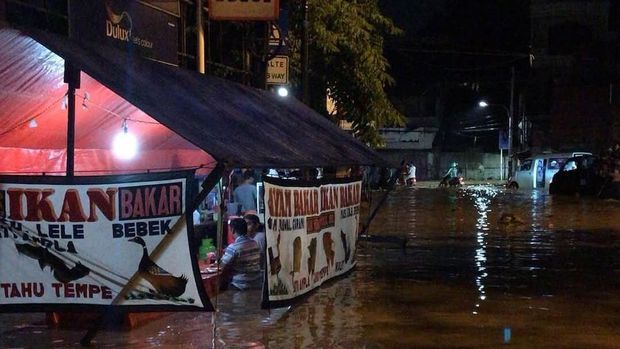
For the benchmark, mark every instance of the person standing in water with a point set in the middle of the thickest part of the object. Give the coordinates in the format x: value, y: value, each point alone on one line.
x: 411, y: 169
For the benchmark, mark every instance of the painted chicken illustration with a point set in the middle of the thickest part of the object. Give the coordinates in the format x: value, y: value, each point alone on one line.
x: 162, y: 281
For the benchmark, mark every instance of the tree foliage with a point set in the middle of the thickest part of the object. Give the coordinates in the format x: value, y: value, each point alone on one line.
x: 347, y: 62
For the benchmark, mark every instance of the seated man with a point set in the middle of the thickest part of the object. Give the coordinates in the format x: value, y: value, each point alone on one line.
x: 256, y: 232
x: 241, y: 259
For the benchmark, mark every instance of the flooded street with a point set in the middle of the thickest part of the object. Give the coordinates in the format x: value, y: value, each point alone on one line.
x: 478, y: 267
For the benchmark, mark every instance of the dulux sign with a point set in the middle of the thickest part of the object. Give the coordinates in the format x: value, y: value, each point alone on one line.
x: 128, y: 25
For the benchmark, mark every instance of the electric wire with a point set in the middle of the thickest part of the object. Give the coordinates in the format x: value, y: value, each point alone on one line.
x: 88, y: 102
x: 39, y: 114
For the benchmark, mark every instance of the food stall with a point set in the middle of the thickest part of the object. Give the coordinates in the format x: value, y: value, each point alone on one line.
x: 62, y: 104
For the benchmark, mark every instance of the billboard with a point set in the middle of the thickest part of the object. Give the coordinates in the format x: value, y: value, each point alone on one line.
x: 91, y: 242
x: 400, y: 138
x: 311, y: 233
x: 131, y: 26
x: 256, y: 10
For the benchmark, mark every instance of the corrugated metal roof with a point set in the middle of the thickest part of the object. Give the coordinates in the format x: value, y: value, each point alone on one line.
x: 235, y: 124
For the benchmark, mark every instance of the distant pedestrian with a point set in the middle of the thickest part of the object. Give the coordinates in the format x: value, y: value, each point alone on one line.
x: 411, y: 169
x: 453, y: 171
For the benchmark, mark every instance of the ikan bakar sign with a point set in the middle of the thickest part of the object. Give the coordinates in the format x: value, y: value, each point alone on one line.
x: 311, y: 231
x: 96, y: 241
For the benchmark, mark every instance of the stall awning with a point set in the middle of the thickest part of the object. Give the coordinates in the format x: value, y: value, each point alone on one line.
x: 196, y: 118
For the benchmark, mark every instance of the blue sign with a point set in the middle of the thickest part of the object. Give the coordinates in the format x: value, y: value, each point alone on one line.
x: 503, y: 139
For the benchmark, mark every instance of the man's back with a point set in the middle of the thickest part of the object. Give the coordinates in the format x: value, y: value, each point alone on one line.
x: 243, y: 256
x: 245, y: 194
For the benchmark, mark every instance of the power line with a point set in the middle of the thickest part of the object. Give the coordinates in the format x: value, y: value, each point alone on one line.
x: 459, y: 52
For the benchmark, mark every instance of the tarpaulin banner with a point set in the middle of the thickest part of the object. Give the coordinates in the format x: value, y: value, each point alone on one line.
x: 311, y: 230
x: 88, y: 242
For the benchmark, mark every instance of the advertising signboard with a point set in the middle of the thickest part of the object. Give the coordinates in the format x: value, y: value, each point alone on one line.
x: 255, y: 10
x: 91, y: 242
x: 311, y: 230
x: 128, y: 25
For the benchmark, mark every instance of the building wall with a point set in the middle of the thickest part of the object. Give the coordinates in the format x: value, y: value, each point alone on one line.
x: 573, y: 41
x: 546, y: 14
x: 432, y: 165
x: 582, y: 117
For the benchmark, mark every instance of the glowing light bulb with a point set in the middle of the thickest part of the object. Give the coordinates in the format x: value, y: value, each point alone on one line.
x: 282, y: 91
x: 125, y: 144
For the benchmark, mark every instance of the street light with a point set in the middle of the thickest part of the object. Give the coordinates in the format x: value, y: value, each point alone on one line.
x: 484, y: 104
x: 282, y: 91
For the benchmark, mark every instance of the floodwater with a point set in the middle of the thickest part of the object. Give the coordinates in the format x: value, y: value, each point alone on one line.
x: 477, y: 267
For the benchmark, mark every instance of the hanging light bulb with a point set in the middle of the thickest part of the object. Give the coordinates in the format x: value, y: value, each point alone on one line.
x: 64, y: 103
x: 125, y: 145
x: 86, y: 98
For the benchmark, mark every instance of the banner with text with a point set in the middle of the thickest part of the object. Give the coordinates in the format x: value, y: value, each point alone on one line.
x: 131, y: 26
x: 84, y: 242
x: 311, y: 230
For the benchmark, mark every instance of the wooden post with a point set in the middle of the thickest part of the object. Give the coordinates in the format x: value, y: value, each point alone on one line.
x: 72, y: 78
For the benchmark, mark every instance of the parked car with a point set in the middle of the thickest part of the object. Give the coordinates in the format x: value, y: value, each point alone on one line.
x: 536, y: 172
x: 578, y: 175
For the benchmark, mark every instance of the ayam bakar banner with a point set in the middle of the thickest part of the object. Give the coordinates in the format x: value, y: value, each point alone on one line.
x: 311, y: 231
x: 87, y: 242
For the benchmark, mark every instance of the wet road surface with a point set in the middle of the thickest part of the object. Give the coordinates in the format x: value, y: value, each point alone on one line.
x: 482, y: 267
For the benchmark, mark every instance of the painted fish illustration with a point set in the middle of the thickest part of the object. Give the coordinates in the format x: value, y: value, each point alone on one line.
x: 274, y: 262
x: 345, y: 246
x: 328, y: 248
x: 312, y: 258
x: 58, y: 267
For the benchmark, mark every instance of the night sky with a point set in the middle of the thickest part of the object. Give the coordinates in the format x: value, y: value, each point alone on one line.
x: 462, y: 27
x: 466, y: 47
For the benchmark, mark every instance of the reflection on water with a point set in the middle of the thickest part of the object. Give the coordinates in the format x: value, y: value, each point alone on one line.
x: 478, y: 261
x: 482, y: 199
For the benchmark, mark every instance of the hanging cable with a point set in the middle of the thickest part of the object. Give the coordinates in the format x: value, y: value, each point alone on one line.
x: 86, y: 98
x: 30, y: 119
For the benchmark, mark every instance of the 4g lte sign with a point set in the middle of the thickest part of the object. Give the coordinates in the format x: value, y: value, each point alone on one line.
x: 250, y: 10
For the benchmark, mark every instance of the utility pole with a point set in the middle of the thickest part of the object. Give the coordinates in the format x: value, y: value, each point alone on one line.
x: 200, y: 38
x: 304, y: 53
x: 510, y: 121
